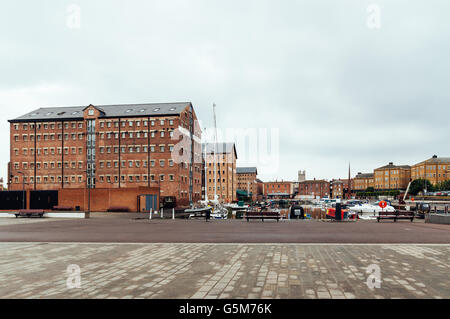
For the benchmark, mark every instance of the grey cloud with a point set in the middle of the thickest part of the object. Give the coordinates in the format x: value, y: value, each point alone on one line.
x: 336, y: 90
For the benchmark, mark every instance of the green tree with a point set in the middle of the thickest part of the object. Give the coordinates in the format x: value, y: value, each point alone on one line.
x: 443, y: 186
x: 419, y: 185
x: 370, y: 189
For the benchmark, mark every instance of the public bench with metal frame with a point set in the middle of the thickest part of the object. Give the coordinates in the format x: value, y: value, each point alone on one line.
x: 263, y: 215
x: 398, y: 214
x: 30, y: 213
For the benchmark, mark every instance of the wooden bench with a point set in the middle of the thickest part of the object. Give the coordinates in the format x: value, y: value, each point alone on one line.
x: 263, y: 215
x: 398, y: 214
x: 30, y: 213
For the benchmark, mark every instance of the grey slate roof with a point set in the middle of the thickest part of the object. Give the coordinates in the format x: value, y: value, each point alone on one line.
x: 119, y: 110
x: 222, y: 148
x: 246, y: 170
x: 308, y: 181
x: 364, y: 175
x: 436, y: 160
x: 393, y: 166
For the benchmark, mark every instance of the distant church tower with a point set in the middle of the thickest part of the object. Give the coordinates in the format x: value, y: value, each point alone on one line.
x: 301, y: 176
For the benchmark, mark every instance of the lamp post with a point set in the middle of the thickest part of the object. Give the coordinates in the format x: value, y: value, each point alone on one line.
x: 23, y: 189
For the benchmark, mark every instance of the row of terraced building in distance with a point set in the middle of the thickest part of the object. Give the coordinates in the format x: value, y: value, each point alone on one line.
x: 396, y: 177
x: 388, y: 177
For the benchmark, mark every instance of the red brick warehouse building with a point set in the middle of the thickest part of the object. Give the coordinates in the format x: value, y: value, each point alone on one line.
x: 316, y: 188
x: 109, y: 146
x: 278, y: 190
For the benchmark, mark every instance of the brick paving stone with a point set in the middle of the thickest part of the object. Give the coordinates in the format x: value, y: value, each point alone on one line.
x: 109, y: 270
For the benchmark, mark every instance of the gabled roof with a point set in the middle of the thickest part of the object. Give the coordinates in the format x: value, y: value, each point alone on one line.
x: 119, y: 110
x: 246, y: 170
x: 95, y: 107
x: 222, y: 148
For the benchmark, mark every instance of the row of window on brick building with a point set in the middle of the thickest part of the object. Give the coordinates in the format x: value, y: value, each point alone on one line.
x: 80, y: 136
x: 103, y: 124
x: 102, y: 164
x: 73, y: 150
x: 131, y: 164
x: 101, y: 179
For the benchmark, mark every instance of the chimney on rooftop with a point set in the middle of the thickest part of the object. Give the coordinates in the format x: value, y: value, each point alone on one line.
x: 434, y: 156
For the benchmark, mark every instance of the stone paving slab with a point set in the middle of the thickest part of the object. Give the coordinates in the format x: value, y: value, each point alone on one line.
x: 39, y: 270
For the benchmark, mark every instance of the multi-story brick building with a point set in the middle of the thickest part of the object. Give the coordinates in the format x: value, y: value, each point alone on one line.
x: 108, y: 146
x: 435, y: 169
x: 278, y: 189
x: 337, y: 188
x: 220, y: 165
x: 362, y: 181
x: 314, y: 187
x: 392, y: 177
x: 247, y: 181
x: 341, y: 188
x: 259, y: 190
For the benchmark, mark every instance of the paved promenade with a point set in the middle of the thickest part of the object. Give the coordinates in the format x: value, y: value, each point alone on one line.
x: 128, y: 228
x: 39, y: 270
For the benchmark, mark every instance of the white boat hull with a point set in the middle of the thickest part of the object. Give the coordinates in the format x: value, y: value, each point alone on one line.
x: 370, y: 210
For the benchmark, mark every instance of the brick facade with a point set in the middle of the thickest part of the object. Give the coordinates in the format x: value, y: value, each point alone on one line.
x: 392, y: 177
x: 363, y: 181
x: 435, y: 169
x: 278, y: 189
x: 314, y: 187
x: 339, y: 188
x: 223, y: 166
x: 247, y: 181
x: 131, y: 150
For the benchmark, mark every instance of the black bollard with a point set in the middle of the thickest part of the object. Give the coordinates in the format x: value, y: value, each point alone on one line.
x: 338, y: 212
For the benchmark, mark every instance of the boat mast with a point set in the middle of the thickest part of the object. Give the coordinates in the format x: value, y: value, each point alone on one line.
x: 215, y: 152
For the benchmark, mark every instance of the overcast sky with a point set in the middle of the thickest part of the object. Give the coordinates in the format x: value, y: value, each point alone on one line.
x: 335, y: 88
